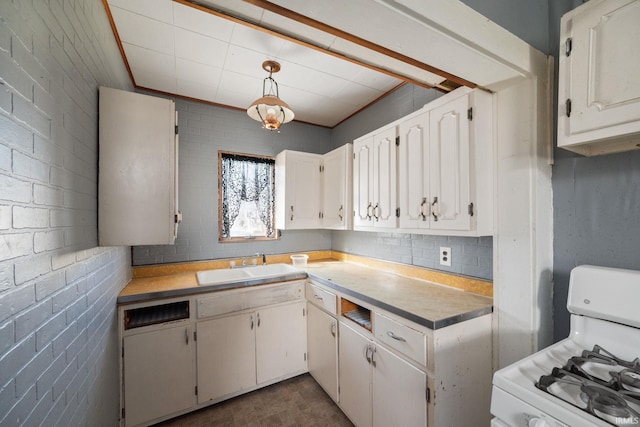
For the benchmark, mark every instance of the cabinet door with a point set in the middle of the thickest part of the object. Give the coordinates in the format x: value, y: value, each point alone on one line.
x: 599, y: 75
x: 298, y: 190
x: 413, y: 172
x: 363, y: 182
x: 159, y: 374
x: 322, y: 349
x: 281, y: 343
x: 336, y: 188
x: 355, y: 376
x: 137, y: 170
x: 449, y: 166
x: 226, y: 356
x: 399, y: 391
x: 384, y: 179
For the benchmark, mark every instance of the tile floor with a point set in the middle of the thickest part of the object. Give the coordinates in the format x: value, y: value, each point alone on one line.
x: 298, y: 401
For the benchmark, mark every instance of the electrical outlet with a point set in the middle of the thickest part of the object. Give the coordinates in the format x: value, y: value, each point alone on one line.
x: 445, y: 256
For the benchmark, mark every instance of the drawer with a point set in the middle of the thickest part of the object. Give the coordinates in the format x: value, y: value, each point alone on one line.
x: 400, y: 337
x: 323, y: 299
x: 243, y: 299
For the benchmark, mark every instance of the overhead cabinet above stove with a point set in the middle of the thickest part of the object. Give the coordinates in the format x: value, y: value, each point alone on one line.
x: 598, y: 88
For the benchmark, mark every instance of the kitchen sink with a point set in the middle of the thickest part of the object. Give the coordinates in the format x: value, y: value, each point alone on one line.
x: 245, y: 274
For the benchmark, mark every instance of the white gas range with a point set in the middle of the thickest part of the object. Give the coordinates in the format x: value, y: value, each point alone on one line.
x: 591, y: 378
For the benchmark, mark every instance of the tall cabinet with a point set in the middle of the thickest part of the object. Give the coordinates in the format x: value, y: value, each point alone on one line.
x: 138, y: 169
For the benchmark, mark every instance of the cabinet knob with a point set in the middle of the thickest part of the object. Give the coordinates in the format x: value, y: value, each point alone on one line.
x: 340, y: 213
x: 333, y: 329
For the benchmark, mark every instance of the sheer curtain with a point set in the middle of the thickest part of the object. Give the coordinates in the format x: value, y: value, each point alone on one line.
x: 246, y: 179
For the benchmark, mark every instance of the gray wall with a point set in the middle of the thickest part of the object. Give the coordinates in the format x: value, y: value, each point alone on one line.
x: 471, y: 256
x: 596, y: 200
x: 205, y: 129
x: 58, y: 340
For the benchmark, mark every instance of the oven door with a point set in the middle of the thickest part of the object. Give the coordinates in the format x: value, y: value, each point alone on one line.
x: 513, y: 412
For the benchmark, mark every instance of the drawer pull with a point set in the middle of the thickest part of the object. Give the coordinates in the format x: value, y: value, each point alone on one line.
x: 318, y: 297
x: 395, y: 337
x: 333, y: 329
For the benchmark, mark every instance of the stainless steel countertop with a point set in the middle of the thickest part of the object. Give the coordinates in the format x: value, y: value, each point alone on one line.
x: 429, y: 304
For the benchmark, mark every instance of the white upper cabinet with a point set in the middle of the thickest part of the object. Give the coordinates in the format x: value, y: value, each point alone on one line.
x: 413, y: 171
x: 314, y: 190
x: 598, y: 88
x: 450, y: 205
x: 374, y: 180
x: 445, y: 166
x: 298, y: 186
x: 138, y: 169
x: 337, y: 188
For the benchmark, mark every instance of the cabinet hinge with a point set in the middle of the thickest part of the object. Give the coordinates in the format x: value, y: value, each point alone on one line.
x: 123, y: 352
x: 354, y: 156
x: 305, y: 357
x: 196, y: 390
x: 470, y: 113
x: 304, y: 312
x: 397, y: 141
x: 397, y: 212
x: 122, y: 413
x: 568, y: 107
x: 470, y: 207
x: 176, y: 129
x: 568, y: 46
x: 195, y: 335
x: 428, y: 395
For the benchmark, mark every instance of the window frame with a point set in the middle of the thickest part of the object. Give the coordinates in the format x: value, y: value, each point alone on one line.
x: 221, y: 238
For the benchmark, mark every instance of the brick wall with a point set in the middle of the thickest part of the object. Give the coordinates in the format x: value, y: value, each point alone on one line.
x: 58, y: 361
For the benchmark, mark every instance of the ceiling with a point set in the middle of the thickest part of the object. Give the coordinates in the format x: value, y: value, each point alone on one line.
x: 213, y: 52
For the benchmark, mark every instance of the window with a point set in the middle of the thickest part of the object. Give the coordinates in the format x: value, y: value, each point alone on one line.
x: 245, y: 197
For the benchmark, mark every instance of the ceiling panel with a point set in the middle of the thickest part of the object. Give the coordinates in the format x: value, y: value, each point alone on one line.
x: 182, y: 50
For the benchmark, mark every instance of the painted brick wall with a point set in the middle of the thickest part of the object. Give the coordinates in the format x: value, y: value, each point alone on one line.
x: 58, y: 341
x: 205, y: 129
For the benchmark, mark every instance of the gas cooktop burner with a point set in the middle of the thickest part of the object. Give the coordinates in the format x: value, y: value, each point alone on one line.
x: 599, y: 383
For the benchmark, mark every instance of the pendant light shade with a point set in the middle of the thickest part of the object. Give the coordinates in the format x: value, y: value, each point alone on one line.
x: 270, y: 110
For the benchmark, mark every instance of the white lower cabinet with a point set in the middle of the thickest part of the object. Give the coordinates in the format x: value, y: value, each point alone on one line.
x: 377, y: 387
x: 281, y: 341
x: 241, y: 351
x: 159, y: 373
x: 322, y: 349
x: 399, y: 391
x: 355, y: 376
x: 226, y: 356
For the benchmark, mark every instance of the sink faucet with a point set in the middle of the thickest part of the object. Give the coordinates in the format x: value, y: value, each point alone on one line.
x: 253, y: 258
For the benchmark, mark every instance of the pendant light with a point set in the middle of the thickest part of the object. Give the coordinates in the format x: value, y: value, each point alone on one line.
x: 270, y: 110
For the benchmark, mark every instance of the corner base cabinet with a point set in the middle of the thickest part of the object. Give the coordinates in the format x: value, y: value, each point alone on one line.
x: 138, y: 170
x: 598, y: 87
